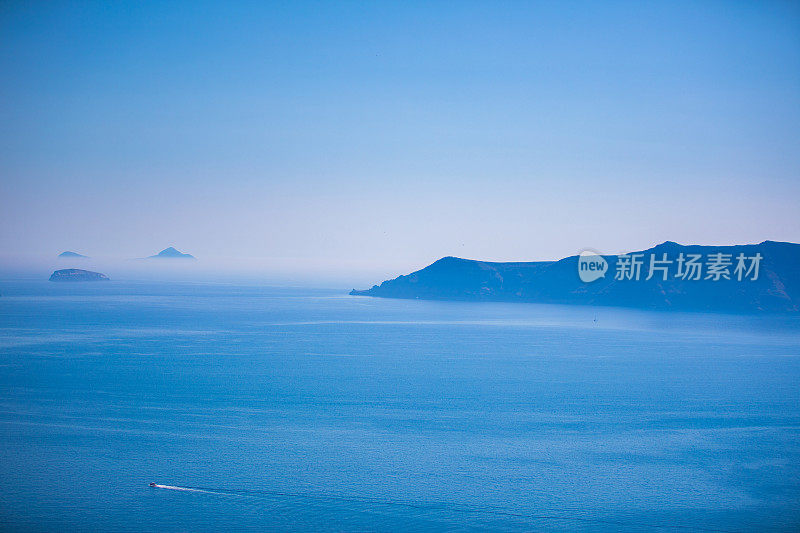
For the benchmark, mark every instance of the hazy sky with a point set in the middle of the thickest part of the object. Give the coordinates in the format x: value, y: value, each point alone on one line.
x: 377, y: 137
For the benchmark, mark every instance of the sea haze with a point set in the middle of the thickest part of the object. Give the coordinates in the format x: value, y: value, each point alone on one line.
x: 261, y: 408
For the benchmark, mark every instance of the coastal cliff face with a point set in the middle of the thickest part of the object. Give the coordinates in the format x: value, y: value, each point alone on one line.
x: 776, y: 288
x: 76, y: 274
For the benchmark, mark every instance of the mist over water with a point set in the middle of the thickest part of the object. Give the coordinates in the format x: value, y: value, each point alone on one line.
x: 260, y: 271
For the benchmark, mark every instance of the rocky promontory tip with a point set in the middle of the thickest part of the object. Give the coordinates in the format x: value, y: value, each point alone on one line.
x: 76, y: 274
x: 171, y: 253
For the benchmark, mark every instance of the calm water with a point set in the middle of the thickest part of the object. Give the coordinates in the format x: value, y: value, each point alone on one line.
x: 313, y: 410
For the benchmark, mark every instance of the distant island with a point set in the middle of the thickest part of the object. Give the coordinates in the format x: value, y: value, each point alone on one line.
x: 171, y: 253
x: 76, y: 274
x: 723, y: 285
x: 71, y: 254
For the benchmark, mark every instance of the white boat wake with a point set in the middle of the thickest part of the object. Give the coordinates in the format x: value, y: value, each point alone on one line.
x: 185, y: 489
x: 433, y: 506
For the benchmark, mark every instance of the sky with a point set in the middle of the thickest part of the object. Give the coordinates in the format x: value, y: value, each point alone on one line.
x: 362, y: 140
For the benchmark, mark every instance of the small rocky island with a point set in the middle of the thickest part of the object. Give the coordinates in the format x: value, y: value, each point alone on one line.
x: 71, y: 255
x: 76, y: 274
x: 171, y: 253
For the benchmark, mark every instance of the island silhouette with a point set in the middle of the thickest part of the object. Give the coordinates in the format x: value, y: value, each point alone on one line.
x: 171, y: 253
x: 76, y: 274
x: 773, y: 285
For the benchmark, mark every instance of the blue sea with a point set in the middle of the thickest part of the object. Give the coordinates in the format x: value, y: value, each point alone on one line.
x: 259, y: 409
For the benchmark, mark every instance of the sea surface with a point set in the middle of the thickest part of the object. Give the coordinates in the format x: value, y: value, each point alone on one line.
x: 256, y: 408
